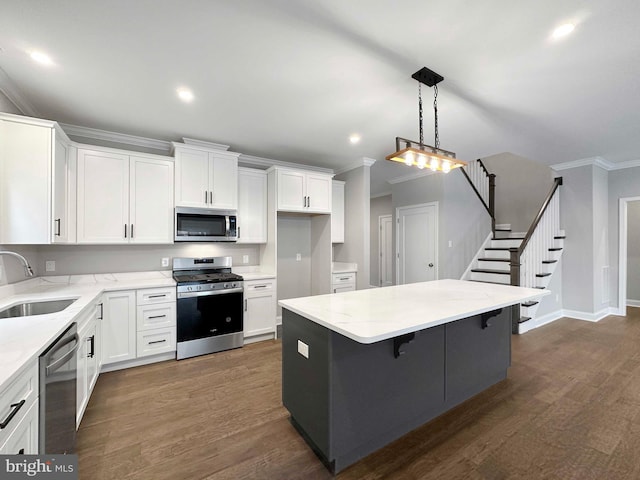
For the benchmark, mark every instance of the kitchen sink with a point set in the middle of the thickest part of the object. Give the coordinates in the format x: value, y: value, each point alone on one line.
x: 36, y: 308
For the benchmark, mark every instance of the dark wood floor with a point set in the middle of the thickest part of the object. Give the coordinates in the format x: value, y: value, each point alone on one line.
x: 570, y: 409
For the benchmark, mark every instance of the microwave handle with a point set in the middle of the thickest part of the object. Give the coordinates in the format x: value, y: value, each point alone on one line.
x: 227, y: 224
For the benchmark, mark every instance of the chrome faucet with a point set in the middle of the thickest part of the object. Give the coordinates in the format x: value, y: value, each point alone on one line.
x: 28, y: 272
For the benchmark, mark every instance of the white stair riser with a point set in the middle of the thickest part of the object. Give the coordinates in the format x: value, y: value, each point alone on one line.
x: 554, y: 255
x: 529, y: 311
x: 506, y: 243
x: 490, y: 277
x: 497, y: 254
x: 493, y: 265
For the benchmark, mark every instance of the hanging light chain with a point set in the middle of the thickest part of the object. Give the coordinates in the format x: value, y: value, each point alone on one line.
x: 435, y: 112
x: 420, y: 112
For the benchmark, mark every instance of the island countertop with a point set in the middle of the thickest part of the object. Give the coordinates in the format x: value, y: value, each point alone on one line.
x: 369, y: 316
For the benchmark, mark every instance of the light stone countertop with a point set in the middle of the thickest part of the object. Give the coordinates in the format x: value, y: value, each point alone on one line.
x: 369, y: 316
x: 23, y: 339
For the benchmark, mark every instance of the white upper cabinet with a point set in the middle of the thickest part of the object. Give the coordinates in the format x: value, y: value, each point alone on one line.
x: 206, y: 179
x: 337, y: 212
x: 252, y: 206
x: 124, y: 199
x: 36, y: 178
x: 299, y: 191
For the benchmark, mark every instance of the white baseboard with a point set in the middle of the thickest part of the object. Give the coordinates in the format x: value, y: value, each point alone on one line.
x: 137, y: 362
x: 591, y: 317
x: 540, y: 321
x: 633, y: 303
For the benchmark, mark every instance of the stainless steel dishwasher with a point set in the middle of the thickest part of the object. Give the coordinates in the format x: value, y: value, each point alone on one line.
x: 58, y: 378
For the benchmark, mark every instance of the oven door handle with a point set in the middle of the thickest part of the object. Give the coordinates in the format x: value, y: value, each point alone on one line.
x: 210, y: 292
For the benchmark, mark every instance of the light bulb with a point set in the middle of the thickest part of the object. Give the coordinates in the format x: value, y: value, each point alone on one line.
x: 408, y: 159
x: 446, y: 166
x: 434, y: 163
x: 422, y: 162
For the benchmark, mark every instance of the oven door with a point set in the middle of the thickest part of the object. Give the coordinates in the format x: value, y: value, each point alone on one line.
x: 203, y: 315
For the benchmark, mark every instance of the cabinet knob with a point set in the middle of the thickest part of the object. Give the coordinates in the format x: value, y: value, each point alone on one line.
x: 431, y: 265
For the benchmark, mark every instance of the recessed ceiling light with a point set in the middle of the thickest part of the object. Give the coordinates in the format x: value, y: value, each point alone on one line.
x: 185, y: 94
x: 563, y: 30
x: 41, y: 57
x: 354, y: 138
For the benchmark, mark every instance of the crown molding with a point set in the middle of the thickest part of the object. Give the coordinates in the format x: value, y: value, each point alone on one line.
x: 265, y: 163
x: 411, y: 176
x: 598, y: 162
x: 15, y: 96
x: 121, y: 138
x: 383, y: 194
x: 364, y: 162
x: 204, y: 144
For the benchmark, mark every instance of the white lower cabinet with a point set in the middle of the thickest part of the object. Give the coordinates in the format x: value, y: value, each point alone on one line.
x: 343, y: 282
x: 259, y: 310
x: 89, y: 359
x: 118, y: 326
x: 156, y: 321
x: 19, y: 414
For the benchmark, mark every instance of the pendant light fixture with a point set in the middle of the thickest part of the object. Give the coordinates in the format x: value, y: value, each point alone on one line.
x: 417, y: 154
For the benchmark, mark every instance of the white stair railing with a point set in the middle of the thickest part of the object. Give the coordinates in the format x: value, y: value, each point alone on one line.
x: 479, y: 179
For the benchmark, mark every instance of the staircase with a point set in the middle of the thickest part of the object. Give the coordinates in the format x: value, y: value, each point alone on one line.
x: 528, y: 259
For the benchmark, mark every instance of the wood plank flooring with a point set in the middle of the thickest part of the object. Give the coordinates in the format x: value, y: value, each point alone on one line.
x: 569, y: 409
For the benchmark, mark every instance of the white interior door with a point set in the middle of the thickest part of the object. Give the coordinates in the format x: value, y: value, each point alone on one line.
x: 385, y: 277
x: 417, y: 243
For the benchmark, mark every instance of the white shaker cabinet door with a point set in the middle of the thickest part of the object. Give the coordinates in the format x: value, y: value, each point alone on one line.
x: 103, y: 197
x: 151, y: 210
x: 319, y: 193
x: 118, y: 327
x: 192, y: 179
x: 252, y: 206
x: 224, y: 182
x: 291, y: 191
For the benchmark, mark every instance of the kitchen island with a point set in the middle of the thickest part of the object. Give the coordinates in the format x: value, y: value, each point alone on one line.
x: 360, y: 369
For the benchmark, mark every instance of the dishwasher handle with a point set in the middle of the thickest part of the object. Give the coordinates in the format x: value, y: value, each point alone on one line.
x: 63, y: 359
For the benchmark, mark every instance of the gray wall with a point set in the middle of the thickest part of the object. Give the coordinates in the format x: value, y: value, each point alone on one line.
x: 576, y: 217
x: 379, y: 206
x: 294, y: 236
x: 7, y: 106
x: 601, y: 269
x: 357, y: 243
x: 521, y: 187
x: 622, y: 184
x: 461, y: 217
x: 633, y: 252
x: 84, y: 259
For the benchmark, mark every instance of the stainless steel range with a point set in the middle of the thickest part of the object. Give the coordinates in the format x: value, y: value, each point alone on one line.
x: 209, y: 306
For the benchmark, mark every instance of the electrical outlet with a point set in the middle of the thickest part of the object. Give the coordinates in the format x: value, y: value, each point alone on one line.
x: 50, y: 266
x: 303, y: 349
x: 165, y: 261
x: 245, y: 258
x: 450, y: 244
x: 298, y: 257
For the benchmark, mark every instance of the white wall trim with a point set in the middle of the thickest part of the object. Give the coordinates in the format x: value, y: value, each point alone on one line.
x: 364, y: 162
x: 591, y: 317
x: 205, y: 144
x: 633, y: 303
x: 597, y: 161
x: 383, y: 194
x: 15, y: 95
x: 622, y: 253
x: 115, y: 137
x: 539, y: 321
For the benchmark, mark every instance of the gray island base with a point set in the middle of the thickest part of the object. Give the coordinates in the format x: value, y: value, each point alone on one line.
x: 350, y: 399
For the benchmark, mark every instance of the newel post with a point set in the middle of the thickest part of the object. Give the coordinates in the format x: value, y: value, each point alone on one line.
x: 514, y: 263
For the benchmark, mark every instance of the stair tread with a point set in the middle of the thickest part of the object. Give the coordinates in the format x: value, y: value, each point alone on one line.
x: 539, y: 288
x: 549, y: 261
x: 488, y: 259
x: 497, y: 248
x: 502, y: 230
x: 490, y: 270
x: 529, y: 304
x: 523, y: 319
x: 542, y: 274
x: 484, y: 281
x: 559, y: 237
x: 555, y: 249
x: 510, y: 238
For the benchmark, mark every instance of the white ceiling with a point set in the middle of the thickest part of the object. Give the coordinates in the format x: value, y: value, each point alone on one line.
x: 292, y: 79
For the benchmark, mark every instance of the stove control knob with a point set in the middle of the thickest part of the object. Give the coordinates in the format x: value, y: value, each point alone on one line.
x: 234, y: 285
x: 189, y: 289
x: 226, y: 285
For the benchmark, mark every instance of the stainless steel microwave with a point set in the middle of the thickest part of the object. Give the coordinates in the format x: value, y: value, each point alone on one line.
x: 205, y: 225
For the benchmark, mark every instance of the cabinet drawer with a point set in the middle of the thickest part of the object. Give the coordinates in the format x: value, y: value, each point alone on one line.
x: 16, y: 399
x: 257, y: 287
x: 150, y: 296
x: 23, y: 439
x: 342, y: 278
x: 156, y: 316
x: 160, y: 340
